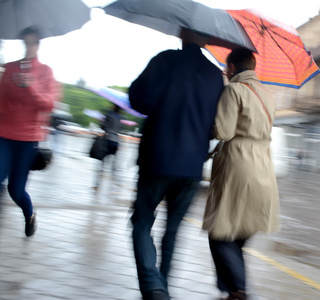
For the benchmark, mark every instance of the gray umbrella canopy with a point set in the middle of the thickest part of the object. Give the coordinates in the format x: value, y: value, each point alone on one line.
x: 51, y: 17
x: 168, y: 16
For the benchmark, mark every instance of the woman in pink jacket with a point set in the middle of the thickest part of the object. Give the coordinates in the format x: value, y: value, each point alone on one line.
x: 27, y: 94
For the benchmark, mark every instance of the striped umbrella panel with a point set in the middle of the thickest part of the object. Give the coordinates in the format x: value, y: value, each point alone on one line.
x: 282, y: 58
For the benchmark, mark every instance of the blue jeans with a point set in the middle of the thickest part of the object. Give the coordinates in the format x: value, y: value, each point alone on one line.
x: 179, y: 193
x: 16, y: 158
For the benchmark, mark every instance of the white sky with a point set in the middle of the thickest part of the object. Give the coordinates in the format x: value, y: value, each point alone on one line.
x: 109, y: 51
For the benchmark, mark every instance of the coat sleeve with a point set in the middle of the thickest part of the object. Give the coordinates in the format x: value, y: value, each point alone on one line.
x: 44, y: 91
x: 227, y: 114
x: 4, y: 91
x: 144, y: 91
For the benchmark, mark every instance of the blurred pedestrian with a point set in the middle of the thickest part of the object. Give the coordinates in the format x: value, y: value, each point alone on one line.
x: 27, y: 94
x: 58, y: 118
x: 56, y: 122
x: 243, y: 194
x: 179, y: 91
x: 111, y: 126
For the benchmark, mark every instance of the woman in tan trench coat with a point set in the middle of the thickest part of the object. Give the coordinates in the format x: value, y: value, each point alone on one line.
x: 243, y: 194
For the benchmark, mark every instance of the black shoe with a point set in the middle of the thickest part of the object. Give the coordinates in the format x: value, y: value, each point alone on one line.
x: 239, y: 295
x: 31, y: 225
x: 159, y: 294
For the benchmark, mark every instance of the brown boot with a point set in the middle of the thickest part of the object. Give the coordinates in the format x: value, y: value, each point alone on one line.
x: 239, y: 295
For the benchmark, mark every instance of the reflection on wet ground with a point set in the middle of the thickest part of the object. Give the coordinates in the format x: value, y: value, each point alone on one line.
x: 82, y: 249
x: 299, y: 194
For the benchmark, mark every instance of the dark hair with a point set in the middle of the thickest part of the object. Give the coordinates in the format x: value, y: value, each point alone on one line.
x: 242, y: 58
x: 30, y: 30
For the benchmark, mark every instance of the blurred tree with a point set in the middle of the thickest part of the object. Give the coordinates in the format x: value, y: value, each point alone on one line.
x: 80, y: 98
x: 120, y: 88
x: 81, y: 83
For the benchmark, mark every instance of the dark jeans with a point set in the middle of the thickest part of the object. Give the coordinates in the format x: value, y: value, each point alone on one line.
x: 229, y: 262
x: 16, y: 158
x: 179, y: 193
x: 112, y: 148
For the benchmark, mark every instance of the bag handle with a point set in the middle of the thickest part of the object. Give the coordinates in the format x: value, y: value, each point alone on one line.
x: 264, y: 107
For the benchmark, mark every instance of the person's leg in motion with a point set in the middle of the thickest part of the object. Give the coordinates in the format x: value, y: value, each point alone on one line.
x: 150, y: 193
x: 22, y: 158
x: 5, y: 161
x: 179, y: 197
x: 99, y: 173
x: 230, y: 266
x: 112, y: 149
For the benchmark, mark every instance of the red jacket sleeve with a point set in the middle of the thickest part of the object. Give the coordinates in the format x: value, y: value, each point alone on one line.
x: 43, y: 90
x: 4, y: 91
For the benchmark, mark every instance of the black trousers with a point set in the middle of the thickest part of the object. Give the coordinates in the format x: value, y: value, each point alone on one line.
x: 230, y: 266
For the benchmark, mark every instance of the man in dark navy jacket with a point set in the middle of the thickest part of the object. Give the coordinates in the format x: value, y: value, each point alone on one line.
x: 179, y: 91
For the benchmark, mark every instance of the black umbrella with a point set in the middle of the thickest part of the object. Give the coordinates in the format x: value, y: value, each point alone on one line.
x: 51, y: 17
x: 168, y: 16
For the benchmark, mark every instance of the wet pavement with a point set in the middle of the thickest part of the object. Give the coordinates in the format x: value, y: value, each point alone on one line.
x: 82, y: 248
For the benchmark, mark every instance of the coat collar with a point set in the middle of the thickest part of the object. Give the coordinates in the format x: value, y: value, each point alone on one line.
x: 34, y: 61
x: 192, y: 47
x: 244, y: 76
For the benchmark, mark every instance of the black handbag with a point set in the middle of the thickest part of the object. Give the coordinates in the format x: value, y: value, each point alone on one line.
x: 99, y: 148
x: 42, y: 159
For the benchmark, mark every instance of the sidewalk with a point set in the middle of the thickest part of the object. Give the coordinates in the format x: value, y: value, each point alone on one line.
x: 300, y: 211
x: 83, y: 249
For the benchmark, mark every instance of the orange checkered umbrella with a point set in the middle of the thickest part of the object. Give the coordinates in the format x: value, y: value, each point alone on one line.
x: 282, y: 58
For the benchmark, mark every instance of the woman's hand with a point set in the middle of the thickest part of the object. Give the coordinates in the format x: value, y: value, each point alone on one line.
x: 25, y: 79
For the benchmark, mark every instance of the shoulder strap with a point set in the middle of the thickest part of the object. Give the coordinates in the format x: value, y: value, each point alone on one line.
x: 264, y: 107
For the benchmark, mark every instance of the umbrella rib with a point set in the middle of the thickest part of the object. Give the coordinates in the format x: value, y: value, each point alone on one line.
x: 255, y: 27
x: 269, y: 31
x: 272, y: 37
x: 275, y: 41
x: 282, y: 48
x: 264, y: 27
x: 289, y: 58
x: 279, y: 35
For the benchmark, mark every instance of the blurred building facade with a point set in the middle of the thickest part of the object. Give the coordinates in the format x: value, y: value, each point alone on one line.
x: 298, y: 110
x: 308, y: 98
x: 302, y: 104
